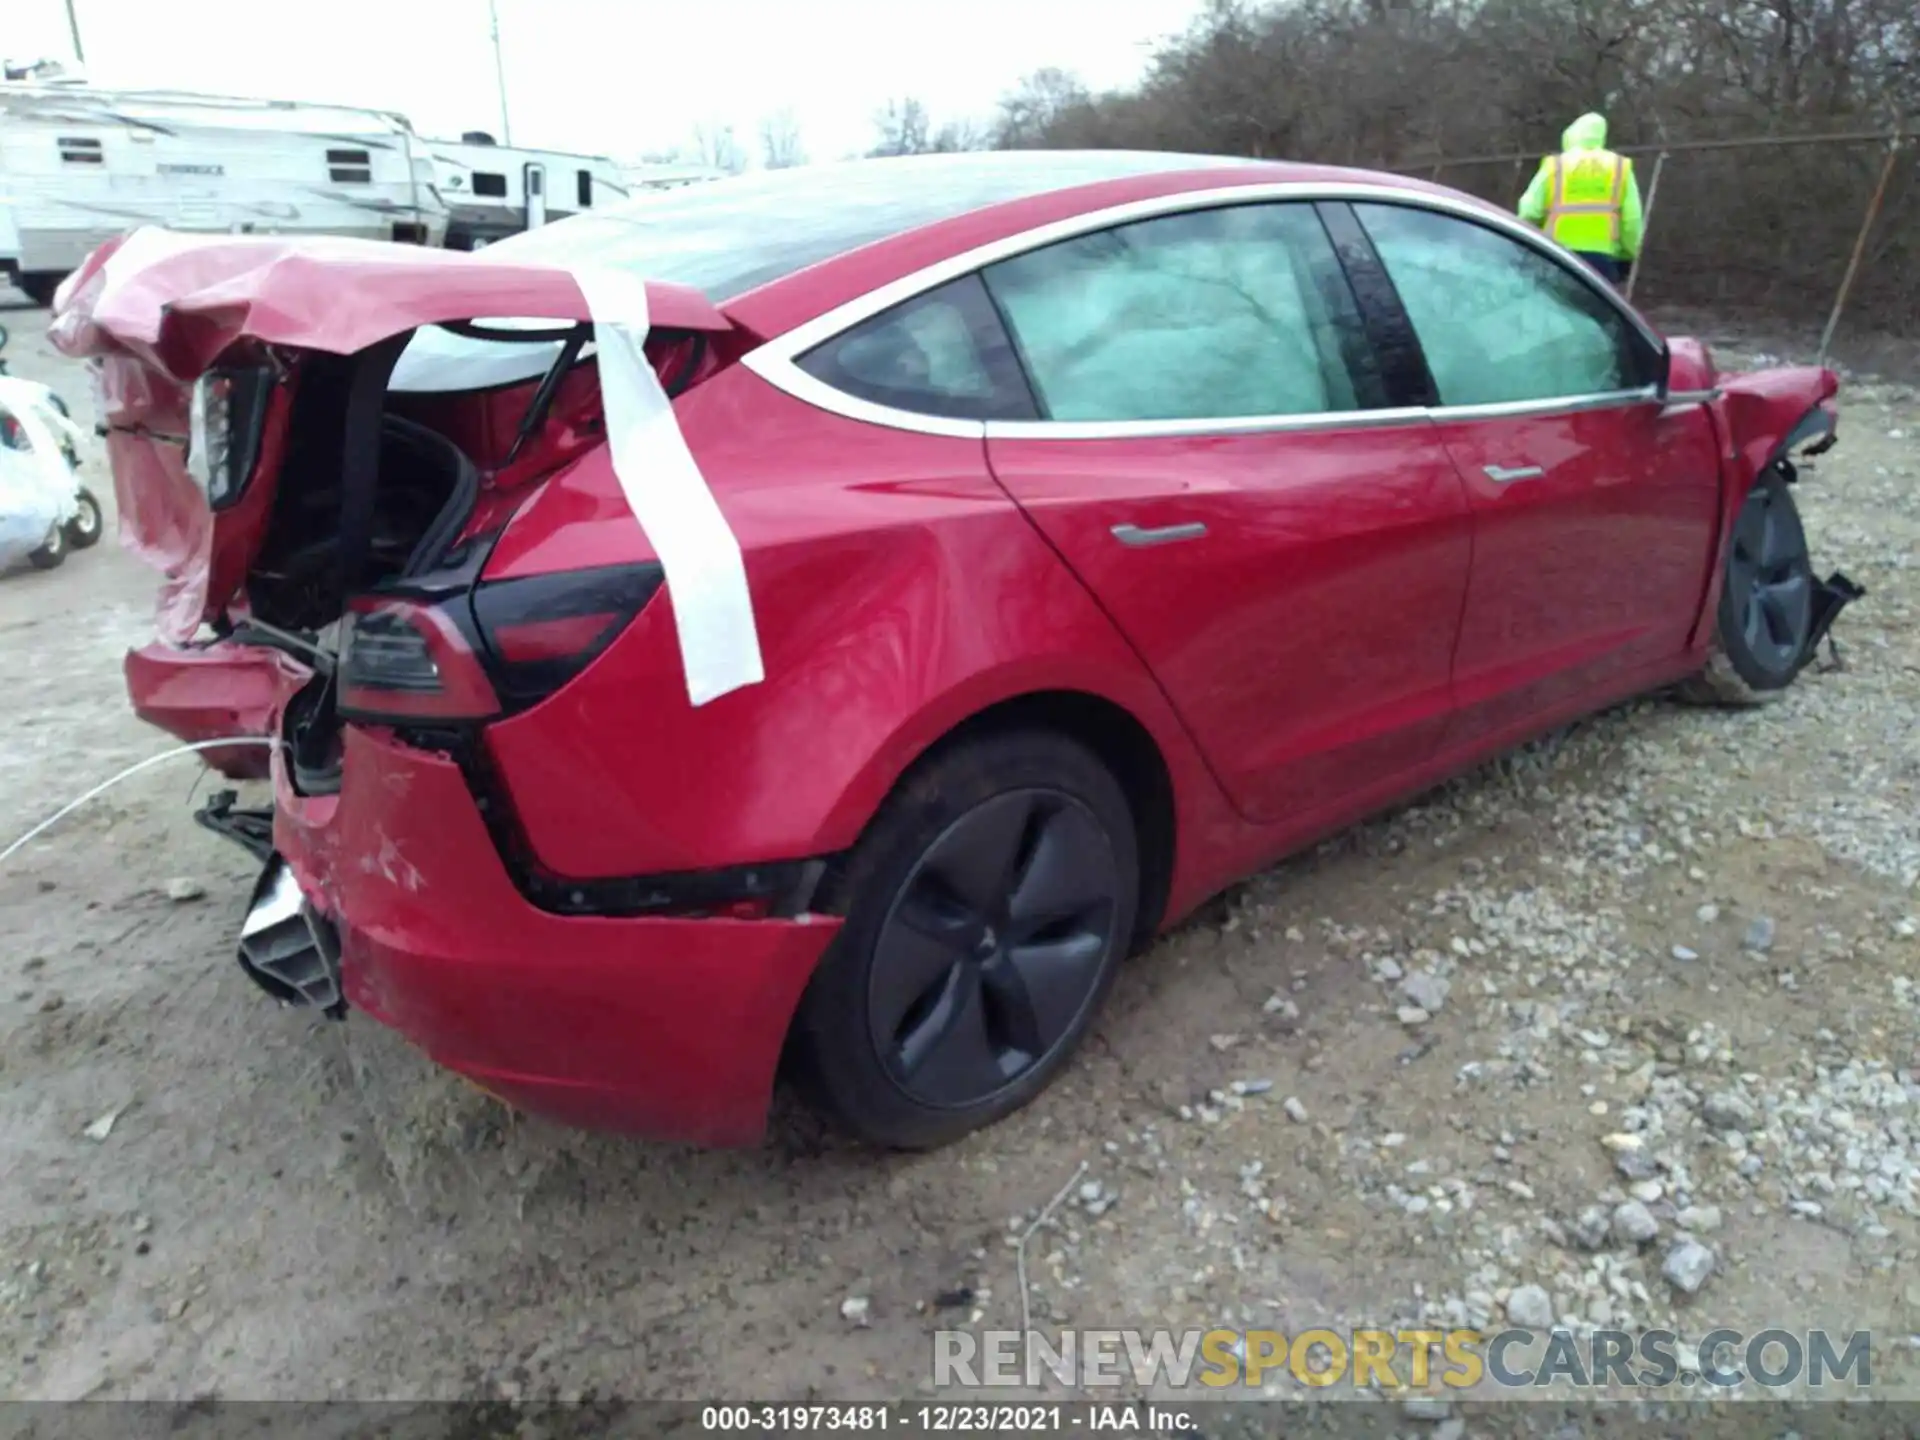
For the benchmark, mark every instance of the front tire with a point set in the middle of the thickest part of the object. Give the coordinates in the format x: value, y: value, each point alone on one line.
x: 53, y: 554
x: 988, y: 908
x: 85, y: 529
x: 1766, y: 603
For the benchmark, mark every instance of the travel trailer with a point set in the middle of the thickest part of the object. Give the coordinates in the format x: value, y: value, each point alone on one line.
x: 492, y: 191
x: 81, y: 165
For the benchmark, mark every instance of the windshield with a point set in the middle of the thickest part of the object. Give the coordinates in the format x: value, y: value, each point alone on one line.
x: 726, y: 237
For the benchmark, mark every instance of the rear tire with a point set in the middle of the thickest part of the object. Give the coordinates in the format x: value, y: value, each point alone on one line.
x: 83, y: 532
x: 1766, y: 603
x: 53, y: 554
x: 988, y: 908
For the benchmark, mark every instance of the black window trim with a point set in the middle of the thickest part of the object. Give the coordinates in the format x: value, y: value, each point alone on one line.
x: 1416, y: 374
x: 773, y: 361
x: 1403, y: 362
x: 994, y: 345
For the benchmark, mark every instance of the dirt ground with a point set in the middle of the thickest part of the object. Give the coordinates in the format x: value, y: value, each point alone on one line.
x: 1694, y: 928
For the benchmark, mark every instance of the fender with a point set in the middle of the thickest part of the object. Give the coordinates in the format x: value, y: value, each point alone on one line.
x: 1761, y: 420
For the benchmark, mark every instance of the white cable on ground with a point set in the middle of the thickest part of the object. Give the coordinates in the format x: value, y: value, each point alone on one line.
x: 106, y: 785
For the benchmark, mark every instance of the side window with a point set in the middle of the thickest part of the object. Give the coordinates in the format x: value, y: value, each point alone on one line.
x: 1229, y: 313
x: 1499, y: 321
x: 942, y: 353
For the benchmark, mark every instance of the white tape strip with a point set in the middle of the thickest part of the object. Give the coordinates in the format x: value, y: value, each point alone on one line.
x: 706, y: 577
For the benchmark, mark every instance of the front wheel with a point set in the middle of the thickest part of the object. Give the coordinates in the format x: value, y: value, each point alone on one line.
x: 988, y: 909
x: 1766, y: 608
x: 53, y: 554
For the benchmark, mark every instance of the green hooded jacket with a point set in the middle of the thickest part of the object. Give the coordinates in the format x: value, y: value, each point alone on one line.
x: 1589, y: 132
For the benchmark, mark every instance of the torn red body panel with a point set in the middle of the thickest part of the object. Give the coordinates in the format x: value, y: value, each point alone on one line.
x: 209, y: 694
x: 1765, y: 407
x: 176, y: 302
x: 156, y: 310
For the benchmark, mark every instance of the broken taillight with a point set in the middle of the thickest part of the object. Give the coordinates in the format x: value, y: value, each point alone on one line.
x: 420, y: 657
x: 224, y: 427
x: 401, y: 660
x: 543, y: 630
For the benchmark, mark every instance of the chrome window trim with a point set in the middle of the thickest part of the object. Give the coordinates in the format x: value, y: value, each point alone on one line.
x: 1692, y: 397
x: 1565, y: 405
x: 1236, y: 425
x: 775, y: 360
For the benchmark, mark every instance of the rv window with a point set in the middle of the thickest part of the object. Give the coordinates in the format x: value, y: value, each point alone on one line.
x: 489, y: 182
x: 349, y: 167
x: 77, y: 150
x: 585, y: 179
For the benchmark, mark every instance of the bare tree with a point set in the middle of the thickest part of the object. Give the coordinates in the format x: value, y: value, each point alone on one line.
x: 1409, y: 83
x: 713, y: 144
x: 780, y: 146
x: 905, y: 128
x: 1037, y: 107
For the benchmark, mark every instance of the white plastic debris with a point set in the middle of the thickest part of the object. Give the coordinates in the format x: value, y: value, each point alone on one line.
x: 706, y: 576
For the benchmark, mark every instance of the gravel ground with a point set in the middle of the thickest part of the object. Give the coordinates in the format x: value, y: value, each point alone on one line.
x: 1618, y: 1031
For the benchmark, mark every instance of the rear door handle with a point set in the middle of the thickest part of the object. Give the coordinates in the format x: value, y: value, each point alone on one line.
x: 1165, y: 534
x: 1500, y: 475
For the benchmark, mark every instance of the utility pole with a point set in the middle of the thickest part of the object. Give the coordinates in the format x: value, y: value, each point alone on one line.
x: 499, y: 70
x: 73, y: 24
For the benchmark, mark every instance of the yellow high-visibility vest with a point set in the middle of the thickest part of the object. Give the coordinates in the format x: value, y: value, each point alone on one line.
x: 1587, y: 190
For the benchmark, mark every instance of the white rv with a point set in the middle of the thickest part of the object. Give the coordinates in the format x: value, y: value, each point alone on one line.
x: 82, y: 165
x: 493, y: 191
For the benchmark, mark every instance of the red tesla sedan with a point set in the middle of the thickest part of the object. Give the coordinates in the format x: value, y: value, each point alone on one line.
x: 835, y: 616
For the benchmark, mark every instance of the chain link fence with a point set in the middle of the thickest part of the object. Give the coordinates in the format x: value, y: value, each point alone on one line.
x: 1807, y: 228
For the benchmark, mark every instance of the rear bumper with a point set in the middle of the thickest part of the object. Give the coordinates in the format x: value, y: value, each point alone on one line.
x: 671, y: 1028
x: 199, y: 695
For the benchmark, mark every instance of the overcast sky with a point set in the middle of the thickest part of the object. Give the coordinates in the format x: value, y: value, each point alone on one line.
x: 619, y: 77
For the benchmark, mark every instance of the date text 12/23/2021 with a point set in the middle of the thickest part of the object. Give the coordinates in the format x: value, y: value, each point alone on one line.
x: 947, y: 1419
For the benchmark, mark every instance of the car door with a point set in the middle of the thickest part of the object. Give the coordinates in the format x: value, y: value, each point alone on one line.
x: 1594, y: 499
x: 1214, y: 457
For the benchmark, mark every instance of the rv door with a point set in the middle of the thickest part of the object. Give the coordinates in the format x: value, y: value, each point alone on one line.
x: 536, y: 196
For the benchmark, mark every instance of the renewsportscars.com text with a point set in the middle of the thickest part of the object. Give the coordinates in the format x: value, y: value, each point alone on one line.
x: 1392, y: 1359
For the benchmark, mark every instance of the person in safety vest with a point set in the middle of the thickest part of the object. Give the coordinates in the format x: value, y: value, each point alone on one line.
x: 1586, y: 198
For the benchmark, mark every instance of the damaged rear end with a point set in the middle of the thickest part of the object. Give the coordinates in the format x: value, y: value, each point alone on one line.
x: 321, y: 447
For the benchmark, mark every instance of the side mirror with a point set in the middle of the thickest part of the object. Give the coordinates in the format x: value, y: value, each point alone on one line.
x: 1663, y: 370
x: 3, y: 337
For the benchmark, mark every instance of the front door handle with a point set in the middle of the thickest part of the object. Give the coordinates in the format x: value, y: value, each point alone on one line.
x: 1134, y: 535
x: 1500, y: 475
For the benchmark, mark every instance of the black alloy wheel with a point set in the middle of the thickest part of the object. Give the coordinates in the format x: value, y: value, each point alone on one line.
x: 1766, y: 608
x: 988, y: 908
x: 993, y: 947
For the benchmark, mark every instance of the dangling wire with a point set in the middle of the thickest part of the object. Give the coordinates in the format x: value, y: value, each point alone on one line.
x: 132, y: 770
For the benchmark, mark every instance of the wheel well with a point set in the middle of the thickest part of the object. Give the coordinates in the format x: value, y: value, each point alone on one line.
x: 1125, y: 747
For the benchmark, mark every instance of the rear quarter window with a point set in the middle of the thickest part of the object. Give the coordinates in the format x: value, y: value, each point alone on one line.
x: 943, y: 354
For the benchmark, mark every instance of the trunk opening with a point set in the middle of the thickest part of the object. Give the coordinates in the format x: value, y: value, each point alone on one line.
x: 389, y: 496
